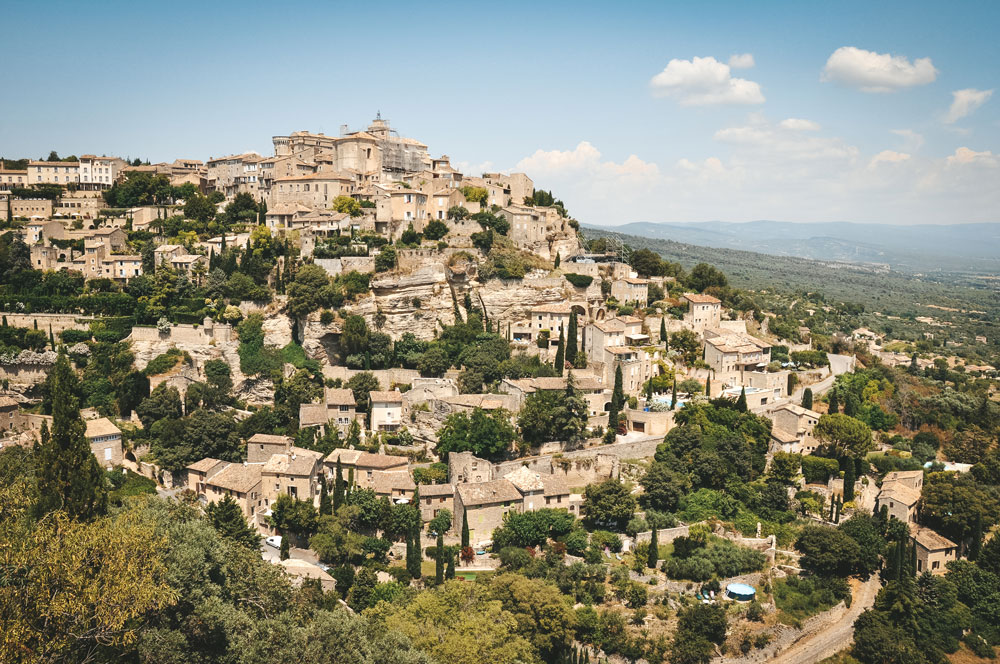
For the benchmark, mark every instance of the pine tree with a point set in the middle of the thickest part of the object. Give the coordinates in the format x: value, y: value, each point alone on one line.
x: 807, y: 398
x: 69, y: 476
x: 338, y: 487
x: 834, y: 402
x: 560, y: 363
x: 654, y: 550
x: 285, y: 550
x: 439, y: 561
x: 673, y: 395
x: 465, y: 529
x: 849, y: 481
x: 663, y: 333
x: 572, y: 337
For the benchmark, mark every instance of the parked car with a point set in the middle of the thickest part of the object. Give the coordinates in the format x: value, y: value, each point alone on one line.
x: 273, y: 540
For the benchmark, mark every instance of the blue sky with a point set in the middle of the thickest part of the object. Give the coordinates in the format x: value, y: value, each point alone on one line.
x: 845, y: 114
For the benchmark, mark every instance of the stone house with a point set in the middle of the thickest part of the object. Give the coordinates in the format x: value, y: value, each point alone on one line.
x: 396, y: 485
x: 631, y: 290
x: 364, y: 464
x: 792, y: 429
x: 486, y: 503
x: 10, y: 414
x: 704, y: 311
x: 386, y: 410
x: 241, y: 482
x: 901, y: 494
x: 105, y: 442
x: 934, y: 552
x: 434, y: 498
x: 294, y: 472
x: 337, y: 409
x: 262, y: 446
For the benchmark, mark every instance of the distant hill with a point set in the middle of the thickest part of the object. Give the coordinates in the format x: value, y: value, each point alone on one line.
x: 919, y: 248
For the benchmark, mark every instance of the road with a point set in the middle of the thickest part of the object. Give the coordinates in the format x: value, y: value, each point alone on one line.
x: 834, y: 637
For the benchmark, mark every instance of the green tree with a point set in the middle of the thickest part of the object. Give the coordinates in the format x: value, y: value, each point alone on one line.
x: 827, y: 551
x: 487, y: 434
x: 227, y: 518
x: 560, y: 361
x: 435, y: 230
x: 807, y: 398
x: 664, y: 339
x: 663, y: 487
x: 69, y: 476
x: 347, y: 205
x: 465, y: 529
x: 608, y: 504
x: 439, y: 560
x: 654, y: 551
x: 338, y: 487
x: 845, y: 434
x: 741, y: 402
x: 572, y: 340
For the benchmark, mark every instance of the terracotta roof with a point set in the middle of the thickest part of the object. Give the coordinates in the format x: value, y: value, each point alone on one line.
x: 269, y: 439
x: 368, y: 460
x: 630, y: 320
x: 435, y: 490
x: 783, y: 436
x: 900, y: 493
x: 101, y: 427
x: 525, y: 480
x: 348, y: 457
x: 485, y: 493
x: 929, y: 539
x: 902, y: 475
x: 305, y: 569
x: 635, y: 282
x: 300, y: 462
x: 701, y: 299
x: 340, y: 397
x: 555, y: 485
x: 395, y: 396
x: 313, y: 414
x: 799, y: 410
x: 610, y: 325
x: 386, y: 481
x: 205, y: 465
x: 237, y: 477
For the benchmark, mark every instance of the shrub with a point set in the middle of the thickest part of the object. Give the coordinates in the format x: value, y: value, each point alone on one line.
x: 71, y: 337
x: 605, y: 538
x: 579, y: 280
x: 817, y: 470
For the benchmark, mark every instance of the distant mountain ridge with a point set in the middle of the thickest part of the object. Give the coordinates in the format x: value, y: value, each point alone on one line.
x: 918, y: 248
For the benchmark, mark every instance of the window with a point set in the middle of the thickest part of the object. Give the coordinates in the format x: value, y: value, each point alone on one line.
x: 107, y: 454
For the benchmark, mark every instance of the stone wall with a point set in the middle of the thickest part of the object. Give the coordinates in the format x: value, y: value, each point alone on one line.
x: 59, y: 322
x: 664, y: 536
x: 386, y: 377
x: 28, y: 374
x: 190, y: 335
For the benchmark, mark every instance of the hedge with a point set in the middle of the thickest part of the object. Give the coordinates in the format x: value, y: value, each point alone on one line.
x: 579, y: 280
x: 817, y: 470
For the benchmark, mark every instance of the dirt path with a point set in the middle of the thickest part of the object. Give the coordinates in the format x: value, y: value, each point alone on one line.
x: 834, y: 637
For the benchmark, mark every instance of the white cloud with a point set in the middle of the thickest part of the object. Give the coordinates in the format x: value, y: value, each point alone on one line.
x: 876, y: 72
x: 912, y: 141
x: 965, y: 102
x: 585, y: 159
x: 889, y: 157
x: 470, y: 168
x: 964, y: 156
x: 741, y: 61
x: 704, y: 82
x: 798, y: 124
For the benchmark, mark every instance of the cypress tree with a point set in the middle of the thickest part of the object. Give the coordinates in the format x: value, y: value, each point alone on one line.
x: 807, y: 398
x: 52, y: 338
x: 36, y: 323
x: 741, y: 403
x: 836, y: 517
x: 849, y: 481
x: 850, y: 405
x: 663, y: 333
x: 914, y: 367
x: 618, y: 395
x: 69, y: 476
x: 708, y: 386
x: 324, y: 497
x: 834, y: 402
x: 350, y: 478
x: 439, y: 561
x: 790, y: 385
x: 654, y: 551
x: 5, y: 321
x: 285, y: 551
x: 557, y: 260
x: 649, y: 390
x: 338, y: 487
x: 560, y: 363
x: 833, y: 506
x: 572, y: 337
x: 977, y: 537
x: 465, y: 529
x: 449, y: 572
x: 673, y: 395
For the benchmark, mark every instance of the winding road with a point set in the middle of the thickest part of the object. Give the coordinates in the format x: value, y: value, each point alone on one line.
x: 834, y: 637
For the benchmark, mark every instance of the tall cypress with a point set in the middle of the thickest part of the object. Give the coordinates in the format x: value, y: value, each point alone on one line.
x: 439, y: 561
x: 52, y: 338
x: 338, y: 487
x: 449, y: 572
x: 741, y: 403
x: 572, y: 339
x: 834, y: 402
x: 708, y: 386
x: 465, y: 528
x: 618, y: 395
x: 560, y: 363
x: 807, y: 398
x: 663, y: 333
x: 69, y: 476
x: 849, y: 481
x: 654, y: 550
x: 324, y: 497
x: 977, y: 537
x: 673, y: 395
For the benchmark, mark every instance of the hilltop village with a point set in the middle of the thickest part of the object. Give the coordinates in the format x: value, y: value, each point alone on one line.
x: 413, y: 389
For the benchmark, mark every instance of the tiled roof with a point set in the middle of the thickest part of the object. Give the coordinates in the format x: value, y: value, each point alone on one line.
x: 900, y: 493
x: 386, y: 481
x: 101, y: 427
x: 485, y: 493
x: 269, y: 439
x: 525, y: 480
x: 204, y: 465
x: 929, y: 539
x: 348, y: 457
x: 555, y: 485
x: 368, y: 460
x: 395, y: 396
x: 237, y: 477
x: 340, y: 397
x: 435, y: 490
x: 313, y: 414
x: 295, y: 463
x: 701, y: 299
